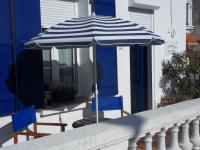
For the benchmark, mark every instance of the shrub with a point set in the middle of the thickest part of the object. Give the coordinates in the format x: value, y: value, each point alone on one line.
x: 168, y: 100
x: 180, y: 77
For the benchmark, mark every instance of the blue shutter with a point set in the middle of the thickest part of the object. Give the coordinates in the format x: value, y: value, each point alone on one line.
x: 30, y: 71
x: 7, y: 99
x: 106, y: 56
x: 27, y: 24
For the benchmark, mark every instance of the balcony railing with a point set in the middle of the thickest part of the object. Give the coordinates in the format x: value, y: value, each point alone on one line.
x: 123, y: 133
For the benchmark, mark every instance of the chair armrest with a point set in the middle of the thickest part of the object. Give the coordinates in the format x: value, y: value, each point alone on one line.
x: 51, y: 124
x: 62, y: 125
x: 126, y: 112
x: 35, y: 135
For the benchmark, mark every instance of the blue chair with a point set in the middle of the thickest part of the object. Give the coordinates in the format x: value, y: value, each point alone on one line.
x: 110, y: 103
x: 22, y: 119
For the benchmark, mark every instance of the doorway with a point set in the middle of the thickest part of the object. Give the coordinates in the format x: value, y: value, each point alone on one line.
x: 140, y: 72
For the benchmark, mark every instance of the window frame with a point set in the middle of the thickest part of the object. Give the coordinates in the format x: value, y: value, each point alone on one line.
x: 189, y: 9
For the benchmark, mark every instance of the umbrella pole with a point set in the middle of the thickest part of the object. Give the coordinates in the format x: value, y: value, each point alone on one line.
x: 95, y: 82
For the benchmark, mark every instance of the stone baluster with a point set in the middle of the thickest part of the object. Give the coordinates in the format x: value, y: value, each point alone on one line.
x: 161, y: 140
x: 195, y: 134
x: 148, y: 141
x: 132, y: 144
x: 185, y: 143
x: 174, y: 138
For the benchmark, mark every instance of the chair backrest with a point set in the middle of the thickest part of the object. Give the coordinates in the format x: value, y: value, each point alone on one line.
x: 108, y: 103
x: 23, y: 118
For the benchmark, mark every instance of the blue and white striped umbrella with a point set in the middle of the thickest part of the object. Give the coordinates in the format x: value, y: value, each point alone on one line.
x: 92, y: 31
x: 101, y: 30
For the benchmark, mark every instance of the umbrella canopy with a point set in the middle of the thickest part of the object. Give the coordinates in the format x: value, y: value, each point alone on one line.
x: 103, y: 30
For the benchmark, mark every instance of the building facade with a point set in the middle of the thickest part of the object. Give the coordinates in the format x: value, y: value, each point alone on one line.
x: 192, y: 24
x: 196, y: 20
x: 133, y: 72
x: 148, y: 64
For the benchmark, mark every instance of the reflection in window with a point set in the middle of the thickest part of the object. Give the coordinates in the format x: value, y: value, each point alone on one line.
x: 189, y: 14
x: 47, y: 68
x: 58, y: 67
x: 66, y: 67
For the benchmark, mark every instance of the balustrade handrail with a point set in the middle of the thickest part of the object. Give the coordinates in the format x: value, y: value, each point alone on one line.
x: 114, y: 131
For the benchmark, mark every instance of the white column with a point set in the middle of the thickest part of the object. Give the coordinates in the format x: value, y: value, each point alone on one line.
x: 132, y: 144
x: 55, y: 67
x: 161, y: 140
x: 148, y: 141
x: 174, y: 138
x: 185, y: 143
x: 195, y: 134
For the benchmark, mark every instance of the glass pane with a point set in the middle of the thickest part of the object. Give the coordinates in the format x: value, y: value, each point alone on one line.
x: 187, y: 14
x: 47, y: 69
x: 66, y: 67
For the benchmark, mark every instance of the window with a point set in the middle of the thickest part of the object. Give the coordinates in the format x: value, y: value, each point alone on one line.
x: 142, y: 16
x: 58, y: 70
x: 66, y: 67
x: 59, y: 75
x: 189, y: 13
x: 47, y: 69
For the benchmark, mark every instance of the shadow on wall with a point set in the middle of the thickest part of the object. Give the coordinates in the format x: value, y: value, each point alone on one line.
x: 29, y: 78
x: 5, y: 133
x: 135, y: 125
x: 85, y: 73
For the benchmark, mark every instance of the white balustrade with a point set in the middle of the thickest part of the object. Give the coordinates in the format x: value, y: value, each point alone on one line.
x: 185, y: 143
x: 108, y: 134
x: 132, y: 144
x: 148, y: 141
x: 174, y: 138
x: 195, y: 139
x: 161, y: 140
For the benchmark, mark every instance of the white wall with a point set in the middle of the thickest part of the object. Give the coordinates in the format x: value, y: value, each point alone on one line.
x: 85, y: 72
x: 162, y: 26
x: 85, y: 62
x: 123, y: 59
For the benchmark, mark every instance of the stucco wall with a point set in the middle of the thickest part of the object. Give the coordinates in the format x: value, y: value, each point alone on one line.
x: 123, y: 59
x: 162, y: 26
x: 84, y: 57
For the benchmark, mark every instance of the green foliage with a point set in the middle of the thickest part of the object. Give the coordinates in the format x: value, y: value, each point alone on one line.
x: 180, y: 77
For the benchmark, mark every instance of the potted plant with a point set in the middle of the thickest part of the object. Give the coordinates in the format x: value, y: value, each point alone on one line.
x: 63, y: 94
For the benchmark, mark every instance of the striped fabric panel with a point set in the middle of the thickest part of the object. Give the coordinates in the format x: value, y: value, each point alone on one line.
x: 83, y: 31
